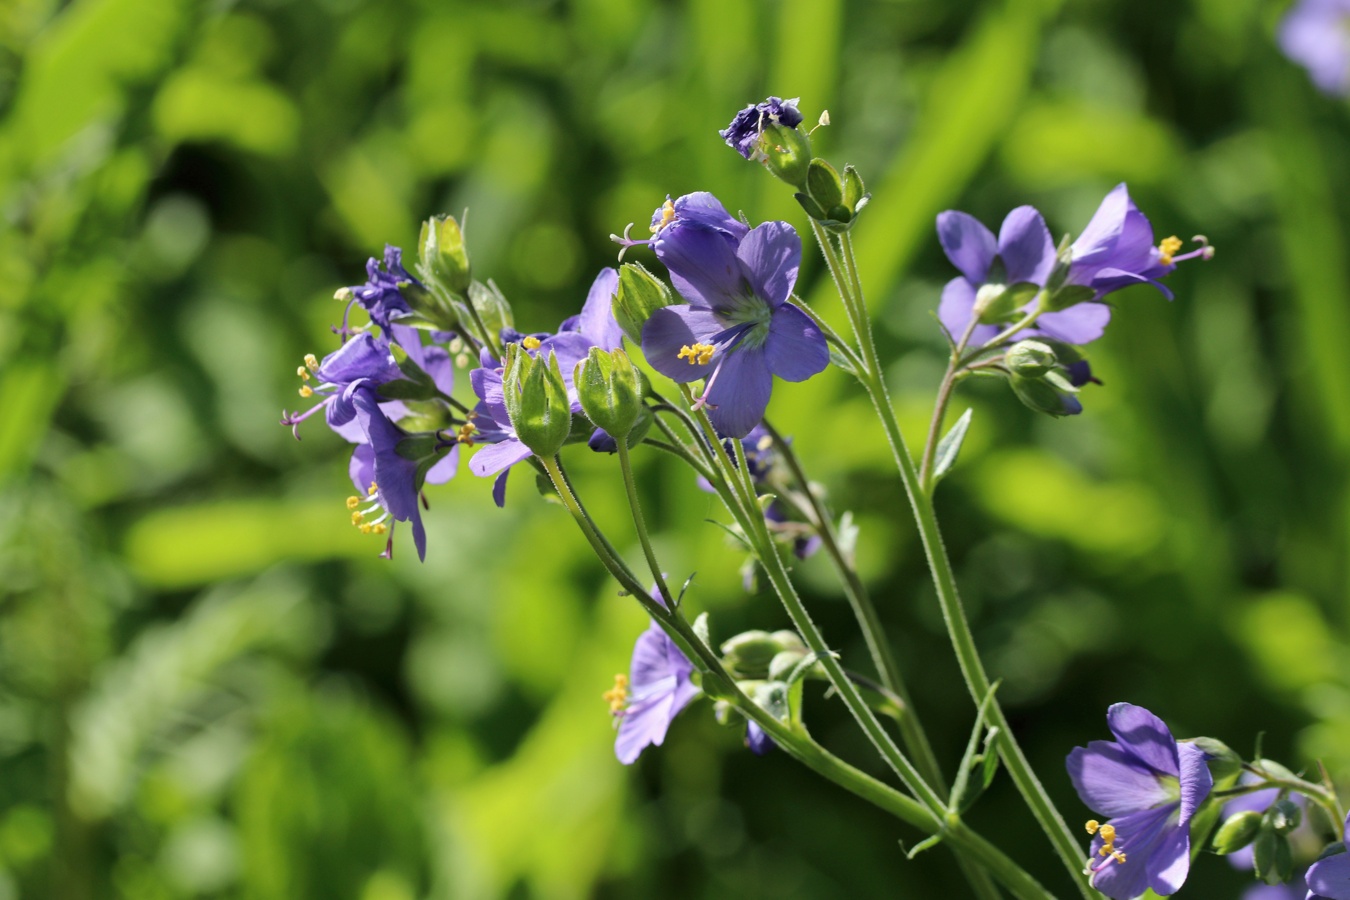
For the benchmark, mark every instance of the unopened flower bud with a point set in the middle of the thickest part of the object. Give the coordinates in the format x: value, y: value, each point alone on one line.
x: 749, y: 654
x: 440, y: 250
x: 610, y: 391
x: 1030, y: 359
x: 1271, y: 856
x: 1237, y: 832
x: 640, y: 294
x: 536, y: 400
x: 1285, y: 815
x: 1049, y: 394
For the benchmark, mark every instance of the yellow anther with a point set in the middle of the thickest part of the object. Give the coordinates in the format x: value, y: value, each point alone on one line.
x: 380, y: 528
x: 530, y: 343
x: 353, y: 502
x: 1168, y: 249
x: 343, y: 294
x: 1092, y: 826
x: 617, y: 696
x: 1109, y: 833
x: 466, y: 433
x: 306, y: 391
x: 1118, y: 856
x: 357, y: 517
x: 366, y: 527
x: 667, y: 216
x: 697, y: 354
x: 373, y: 489
x: 311, y: 361
x: 303, y: 373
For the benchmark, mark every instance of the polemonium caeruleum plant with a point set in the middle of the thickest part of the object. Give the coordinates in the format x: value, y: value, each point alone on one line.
x: 687, y: 369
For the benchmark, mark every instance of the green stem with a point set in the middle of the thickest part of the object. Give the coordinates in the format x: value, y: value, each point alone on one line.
x: 630, y: 486
x: 795, y: 742
x: 1065, y: 842
x: 911, y: 729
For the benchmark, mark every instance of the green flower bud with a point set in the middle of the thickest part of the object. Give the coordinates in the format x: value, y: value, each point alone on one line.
x: 748, y: 654
x: 610, y: 391
x: 995, y: 303
x: 1030, y: 359
x: 440, y: 250
x: 830, y: 199
x: 1237, y: 831
x: 640, y: 294
x: 1272, y: 858
x: 785, y: 663
x: 786, y: 152
x: 536, y: 400
x: 1284, y: 815
x: 1049, y: 394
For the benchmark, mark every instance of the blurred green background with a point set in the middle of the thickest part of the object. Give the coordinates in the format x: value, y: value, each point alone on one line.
x: 211, y: 687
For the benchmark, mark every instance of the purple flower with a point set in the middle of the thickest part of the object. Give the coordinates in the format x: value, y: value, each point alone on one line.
x: 381, y: 295
x: 660, y: 686
x: 1150, y: 786
x: 1329, y: 878
x: 389, y: 480
x: 1316, y: 35
x: 738, y: 330
x: 363, y: 360
x: 1027, y: 254
x: 1116, y: 249
x: 743, y: 133
x: 757, y: 739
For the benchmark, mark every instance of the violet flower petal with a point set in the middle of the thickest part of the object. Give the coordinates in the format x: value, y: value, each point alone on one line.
x: 739, y: 393
x: 1144, y: 735
x: 702, y: 264
x: 1080, y: 324
x: 1196, y: 781
x: 771, y: 254
x: 1113, y: 781
x: 956, y: 308
x: 495, y: 457
x: 795, y: 348
x: 597, y: 320
x: 968, y: 243
x: 1025, y: 245
x: 1144, y: 838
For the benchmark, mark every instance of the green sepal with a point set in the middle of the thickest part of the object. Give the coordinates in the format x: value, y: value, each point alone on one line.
x: 418, y: 446
x: 1237, y: 831
x: 1271, y: 856
x: 966, y: 791
x: 825, y: 187
x: 536, y: 400
x: 441, y: 254
x: 610, y: 391
x: 786, y: 152
x: 492, y: 308
x: 1068, y: 295
x: 855, y: 193
x: 639, y: 295
x: 994, y: 307
x: 813, y: 209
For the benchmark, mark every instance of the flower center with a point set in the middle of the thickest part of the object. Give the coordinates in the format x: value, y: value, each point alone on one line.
x: 667, y: 216
x: 698, y: 354
x: 617, y: 696
x: 1168, y: 248
x: 372, y: 507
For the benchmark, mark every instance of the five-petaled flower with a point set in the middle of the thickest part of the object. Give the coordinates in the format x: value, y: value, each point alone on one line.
x: 1150, y: 786
x: 646, y: 702
x: 738, y: 329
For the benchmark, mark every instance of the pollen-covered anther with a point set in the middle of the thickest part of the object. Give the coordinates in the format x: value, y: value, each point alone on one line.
x: 343, y: 294
x: 357, y: 517
x: 466, y: 433
x: 1168, y: 248
x: 306, y: 391
x: 667, y: 216
x: 530, y: 343
x: 697, y: 354
x: 311, y: 362
x: 373, y: 489
x: 1092, y: 826
x: 303, y: 373
x: 617, y: 696
x: 353, y: 502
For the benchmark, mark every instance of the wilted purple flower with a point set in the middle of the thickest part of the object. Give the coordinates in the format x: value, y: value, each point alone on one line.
x: 1027, y: 254
x: 1150, y: 786
x: 1329, y: 878
x: 1116, y: 249
x: 648, y: 701
x: 1316, y: 35
x: 738, y: 330
x: 743, y: 133
x: 381, y: 295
